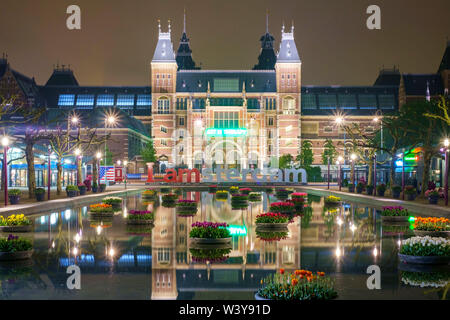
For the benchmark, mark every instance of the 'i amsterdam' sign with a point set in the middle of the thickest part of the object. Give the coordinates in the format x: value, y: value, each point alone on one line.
x: 230, y: 175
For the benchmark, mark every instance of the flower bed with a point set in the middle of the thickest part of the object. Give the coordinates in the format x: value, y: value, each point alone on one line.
x: 202, y: 255
x: 254, y: 196
x: 272, y: 218
x: 149, y: 194
x: 299, y: 195
x: 15, y: 248
x: 169, y: 200
x: 245, y: 191
x: 140, y: 217
x: 139, y: 229
x: 282, y: 194
x: 239, y: 201
x: 222, y: 195
x: 431, y: 225
x: 299, y: 285
x: 282, y: 207
x: 210, y: 232
x: 395, y: 214
x: 15, y: 223
x: 234, y: 189
x: 432, y: 195
x: 332, y: 201
x: 269, y: 236
x: 426, y: 279
x: 186, y: 207
x: 115, y: 202
x: 299, y: 203
x: 425, y: 250
x: 101, y: 209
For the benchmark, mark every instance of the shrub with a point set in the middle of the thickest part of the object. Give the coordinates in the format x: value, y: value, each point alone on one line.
x: 209, y: 255
x: 282, y: 207
x: 39, y: 191
x: 396, y: 189
x: 410, y: 189
x: 209, y: 230
x: 432, y: 193
x: 254, y: 196
x: 71, y: 187
x: 140, y: 215
x: 15, y: 244
x: 381, y: 187
x: 14, y: 192
x: 426, y: 246
x: 271, y: 235
x: 112, y: 200
x: 101, y: 208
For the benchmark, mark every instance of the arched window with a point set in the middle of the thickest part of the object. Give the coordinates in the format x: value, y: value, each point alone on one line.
x: 289, y: 105
x: 163, y: 105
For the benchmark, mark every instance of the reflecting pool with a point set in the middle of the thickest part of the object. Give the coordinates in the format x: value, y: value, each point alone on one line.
x: 119, y: 261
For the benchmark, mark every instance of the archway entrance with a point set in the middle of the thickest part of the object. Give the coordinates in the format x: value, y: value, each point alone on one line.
x: 225, y: 154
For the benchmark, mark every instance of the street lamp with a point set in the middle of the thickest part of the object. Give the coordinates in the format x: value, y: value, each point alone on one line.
x: 109, y: 120
x: 376, y: 120
x: 74, y: 120
x: 125, y: 164
x: 5, y: 144
x: 446, y: 145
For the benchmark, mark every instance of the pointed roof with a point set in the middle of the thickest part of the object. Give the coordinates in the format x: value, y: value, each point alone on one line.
x: 164, y: 48
x: 445, y: 63
x: 288, y: 50
x: 62, y: 76
x: 267, y: 57
x: 184, y: 53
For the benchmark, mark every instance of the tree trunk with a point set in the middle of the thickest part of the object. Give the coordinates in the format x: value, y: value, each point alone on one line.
x: 59, y: 177
x: 79, y: 171
x: 31, y: 173
x: 94, y: 172
x: 370, y: 174
x: 426, y: 171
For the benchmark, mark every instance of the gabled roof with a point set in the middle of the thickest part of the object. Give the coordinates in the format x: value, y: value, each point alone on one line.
x: 62, y: 77
x: 197, y: 80
x: 164, y: 48
x: 416, y: 84
x: 388, y: 77
x: 445, y: 63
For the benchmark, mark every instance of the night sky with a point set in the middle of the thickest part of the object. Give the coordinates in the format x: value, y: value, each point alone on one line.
x: 118, y: 37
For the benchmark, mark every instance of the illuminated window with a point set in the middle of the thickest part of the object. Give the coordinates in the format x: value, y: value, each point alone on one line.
x: 144, y: 100
x: 289, y: 105
x: 125, y: 100
x: 105, y: 100
x: 163, y: 129
x: 226, y: 85
x: 226, y: 120
x: 85, y: 100
x: 163, y: 105
x: 66, y: 100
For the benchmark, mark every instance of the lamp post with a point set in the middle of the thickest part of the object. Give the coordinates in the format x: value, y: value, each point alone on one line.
x: 353, y: 158
x: 338, y: 162
x: 339, y: 120
x: 374, y: 175
x: 446, y: 144
x: 77, y: 158
x: 125, y: 164
x: 98, y: 156
x: 376, y: 119
x: 49, y: 172
x: 328, y: 173
x: 111, y: 120
x: 5, y: 143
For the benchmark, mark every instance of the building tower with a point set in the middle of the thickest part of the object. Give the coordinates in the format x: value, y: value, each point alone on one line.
x: 163, y: 81
x: 267, y: 58
x: 288, y: 75
x: 184, y: 53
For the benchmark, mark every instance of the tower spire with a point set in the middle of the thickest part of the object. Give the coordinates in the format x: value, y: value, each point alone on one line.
x: 267, y: 20
x: 184, y: 22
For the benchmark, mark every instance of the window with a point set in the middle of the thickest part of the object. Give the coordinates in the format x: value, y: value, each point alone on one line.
x: 347, y: 101
x: 181, y: 104
x: 271, y: 104
x: 253, y: 104
x: 144, y: 100
x: 226, y: 85
x: 163, y: 129
x: 163, y: 106
x: 270, y: 148
x: 367, y: 101
x: 328, y: 129
x: 199, y: 103
x: 226, y: 120
x: 125, y: 101
x: 164, y: 142
x: 269, y: 134
x: 105, y: 100
x: 289, y: 105
x: 85, y: 100
x: 327, y: 101
x: 181, y: 121
x: 309, y: 101
x: 66, y: 100
x: 387, y: 101
x: 270, y: 121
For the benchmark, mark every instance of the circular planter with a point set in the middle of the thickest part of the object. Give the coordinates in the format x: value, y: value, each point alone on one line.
x: 422, y: 233
x: 394, y: 218
x: 71, y: 194
x: 26, y: 228
x: 433, y: 200
x: 381, y: 193
x: 82, y: 191
x: 211, y: 241
x: 94, y: 189
x: 18, y: 255
x: 424, y: 260
x: 14, y: 199
x: 258, y: 297
x: 101, y: 214
x: 272, y: 225
x: 139, y: 222
x: 40, y: 196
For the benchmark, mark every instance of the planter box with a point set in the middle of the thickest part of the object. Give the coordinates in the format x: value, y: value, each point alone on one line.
x: 424, y: 260
x: 433, y: 200
x: 82, y: 191
x: 272, y: 225
x: 18, y: 255
x: 394, y: 218
x: 71, y: 194
x: 422, y: 233
x: 16, y: 228
x: 211, y: 241
x: 14, y: 199
x: 139, y: 222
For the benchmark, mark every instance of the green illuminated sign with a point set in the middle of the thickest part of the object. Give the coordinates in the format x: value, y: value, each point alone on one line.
x: 216, y: 132
x: 237, y: 230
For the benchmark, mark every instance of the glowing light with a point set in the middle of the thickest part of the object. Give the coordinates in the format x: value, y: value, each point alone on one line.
x: 353, y: 156
x: 5, y: 141
x: 338, y: 252
x: 198, y: 122
x: 237, y: 230
x: 67, y: 214
x: 339, y: 120
x: 375, y: 252
x: 446, y: 143
x: 77, y: 238
x: 340, y: 158
x: 112, y: 252
x: 74, y: 120
x: 375, y: 119
x: 226, y: 132
x: 53, y: 244
x: 339, y: 221
x: 353, y: 227
x: 99, y: 229
x: 77, y: 152
x: 75, y: 251
x: 98, y: 155
x: 119, y: 162
x: 125, y: 163
x: 111, y: 120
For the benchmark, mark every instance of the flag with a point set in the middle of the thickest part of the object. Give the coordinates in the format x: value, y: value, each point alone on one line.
x: 110, y: 174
